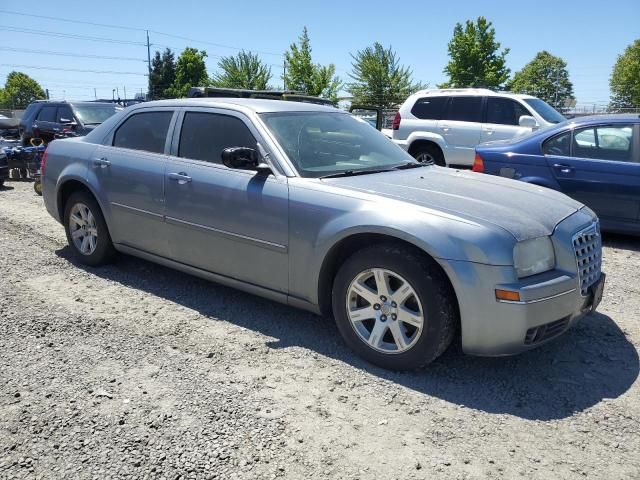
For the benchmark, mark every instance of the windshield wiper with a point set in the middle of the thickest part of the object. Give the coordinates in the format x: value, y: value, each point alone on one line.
x: 408, y: 165
x: 353, y: 173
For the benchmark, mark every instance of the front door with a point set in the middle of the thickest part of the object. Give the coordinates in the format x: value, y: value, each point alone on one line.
x: 227, y: 221
x: 460, y: 127
x: 503, y: 120
x: 129, y: 172
x: 600, y: 167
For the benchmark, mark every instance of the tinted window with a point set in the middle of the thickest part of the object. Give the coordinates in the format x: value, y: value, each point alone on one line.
x: 64, y: 113
x: 465, y: 109
x: 611, y: 142
x: 559, y: 145
x: 144, y: 131
x: 545, y: 110
x: 95, y: 114
x: 47, y: 114
x: 429, y: 108
x: 205, y: 135
x: 504, y: 111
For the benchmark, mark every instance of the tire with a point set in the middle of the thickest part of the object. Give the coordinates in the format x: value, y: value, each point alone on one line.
x: 1, y: 182
x: 37, y: 187
x: 98, y: 251
x: 432, y: 295
x: 429, y: 154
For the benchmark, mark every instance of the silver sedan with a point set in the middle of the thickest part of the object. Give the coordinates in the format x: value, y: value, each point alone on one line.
x: 310, y: 206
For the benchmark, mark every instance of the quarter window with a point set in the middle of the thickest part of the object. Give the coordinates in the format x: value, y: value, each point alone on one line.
x: 504, y: 111
x: 47, y: 114
x: 429, y: 108
x: 607, y: 142
x: 144, y: 131
x: 465, y: 109
x: 559, y: 145
x: 205, y: 135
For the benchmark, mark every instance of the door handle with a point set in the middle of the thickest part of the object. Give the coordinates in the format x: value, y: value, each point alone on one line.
x: 563, y: 168
x: 181, y: 177
x: 444, y: 128
x: 101, y: 162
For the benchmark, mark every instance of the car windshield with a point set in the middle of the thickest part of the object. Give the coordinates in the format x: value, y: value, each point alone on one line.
x: 545, y: 110
x: 95, y: 114
x: 323, y: 143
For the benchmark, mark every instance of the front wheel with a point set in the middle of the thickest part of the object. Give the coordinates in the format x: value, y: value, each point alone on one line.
x: 86, y: 230
x: 394, y: 307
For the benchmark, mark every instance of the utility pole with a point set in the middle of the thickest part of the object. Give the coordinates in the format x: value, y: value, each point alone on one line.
x: 95, y: 93
x: 125, y: 91
x: 148, y: 65
x: 555, y: 99
x: 284, y: 74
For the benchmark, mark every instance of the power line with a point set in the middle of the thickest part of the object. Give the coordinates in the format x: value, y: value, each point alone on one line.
x: 38, y: 67
x: 69, y: 35
x: 59, y: 19
x: 65, y: 54
x: 204, y: 42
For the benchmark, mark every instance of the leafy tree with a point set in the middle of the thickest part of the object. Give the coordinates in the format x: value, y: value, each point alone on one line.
x: 20, y: 90
x: 163, y: 74
x: 244, y: 70
x: 379, y: 79
x: 545, y: 77
x: 625, y: 78
x: 475, y: 59
x: 191, y: 71
x: 304, y: 75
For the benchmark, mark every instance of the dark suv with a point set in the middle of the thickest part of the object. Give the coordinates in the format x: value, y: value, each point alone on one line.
x: 45, y: 119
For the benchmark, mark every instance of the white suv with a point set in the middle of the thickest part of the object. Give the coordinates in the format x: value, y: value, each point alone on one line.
x: 444, y: 126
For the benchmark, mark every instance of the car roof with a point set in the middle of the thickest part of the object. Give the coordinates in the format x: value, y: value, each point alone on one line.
x: 439, y: 92
x: 250, y: 104
x: 615, y: 118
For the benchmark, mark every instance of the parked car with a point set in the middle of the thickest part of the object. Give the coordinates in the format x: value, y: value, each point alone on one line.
x: 4, y: 168
x: 309, y: 206
x: 444, y: 126
x: 45, y: 119
x: 595, y: 160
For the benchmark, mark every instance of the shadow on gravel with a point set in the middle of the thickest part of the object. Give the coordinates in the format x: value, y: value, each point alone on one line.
x: 5, y: 187
x: 587, y: 365
x: 624, y: 242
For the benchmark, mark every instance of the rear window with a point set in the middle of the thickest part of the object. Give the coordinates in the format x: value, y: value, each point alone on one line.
x: 144, y: 131
x: 429, y: 108
x: 464, y: 109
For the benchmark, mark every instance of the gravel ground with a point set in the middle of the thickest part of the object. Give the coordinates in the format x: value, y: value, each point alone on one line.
x: 138, y: 371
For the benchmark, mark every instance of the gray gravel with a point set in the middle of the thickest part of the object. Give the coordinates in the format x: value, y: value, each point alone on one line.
x: 137, y: 371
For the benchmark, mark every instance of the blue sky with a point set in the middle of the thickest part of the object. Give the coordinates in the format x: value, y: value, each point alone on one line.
x: 587, y: 34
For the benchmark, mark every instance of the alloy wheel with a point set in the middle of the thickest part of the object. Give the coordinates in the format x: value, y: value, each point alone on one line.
x: 83, y: 228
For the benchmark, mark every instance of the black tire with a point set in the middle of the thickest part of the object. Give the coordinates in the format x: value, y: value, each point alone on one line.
x: 1, y: 182
x: 104, y: 251
x: 433, y: 289
x: 37, y: 187
x: 431, y: 151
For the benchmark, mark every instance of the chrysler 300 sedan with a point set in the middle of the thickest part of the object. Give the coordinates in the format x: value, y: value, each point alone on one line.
x: 310, y: 206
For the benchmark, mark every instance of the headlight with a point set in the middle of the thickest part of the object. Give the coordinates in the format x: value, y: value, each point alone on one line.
x: 533, y: 256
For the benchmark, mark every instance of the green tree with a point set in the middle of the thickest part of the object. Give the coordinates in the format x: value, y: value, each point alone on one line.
x: 625, y: 78
x: 545, y: 77
x: 163, y: 74
x: 20, y: 90
x: 305, y: 76
x: 244, y: 70
x: 191, y: 71
x: 475, y: 57
x: 379, y: 79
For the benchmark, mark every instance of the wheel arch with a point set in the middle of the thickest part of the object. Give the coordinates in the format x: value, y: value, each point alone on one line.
x: 69, y: 187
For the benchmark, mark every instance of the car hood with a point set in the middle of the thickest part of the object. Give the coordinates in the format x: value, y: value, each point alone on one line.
x: 524, y: 210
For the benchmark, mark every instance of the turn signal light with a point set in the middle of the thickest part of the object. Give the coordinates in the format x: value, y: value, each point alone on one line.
x: 396, y: 121
x: 478, y: 164
x: 507, y: 295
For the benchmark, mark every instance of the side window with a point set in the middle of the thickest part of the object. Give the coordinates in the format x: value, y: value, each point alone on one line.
x: 47, y: 114
x: 204, y: 135
x: 144, y: 131
x: 465, y: 109
x: 560, y: 145
x: 607, y: 142
x: 429, y: 108
x: 504, y: 111
x: 64, y: 114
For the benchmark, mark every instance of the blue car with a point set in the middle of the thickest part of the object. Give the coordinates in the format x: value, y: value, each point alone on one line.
x: 595, y: 160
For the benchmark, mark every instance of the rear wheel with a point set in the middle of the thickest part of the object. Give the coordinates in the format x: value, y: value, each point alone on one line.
x: 86, y: 230
x: 394, y: 307
x: 429, y: 154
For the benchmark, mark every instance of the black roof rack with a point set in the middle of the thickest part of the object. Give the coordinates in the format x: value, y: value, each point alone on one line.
x: 289, y: 95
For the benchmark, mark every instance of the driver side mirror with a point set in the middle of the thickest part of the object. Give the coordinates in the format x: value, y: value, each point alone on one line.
x: 527, y: 121
x: 243, y: 158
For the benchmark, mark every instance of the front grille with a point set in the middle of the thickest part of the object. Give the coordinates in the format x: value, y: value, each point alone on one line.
x: 545, y: 332
x: 587, y: 245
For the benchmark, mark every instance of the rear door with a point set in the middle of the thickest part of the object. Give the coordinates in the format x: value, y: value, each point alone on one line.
x: 503, y: 119
x: 600, y: 166
x: 460, y: 127
x: 129, y: 172
x: 227, y: 221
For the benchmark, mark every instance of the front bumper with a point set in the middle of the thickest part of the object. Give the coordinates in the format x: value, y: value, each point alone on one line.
x: 550, y: 303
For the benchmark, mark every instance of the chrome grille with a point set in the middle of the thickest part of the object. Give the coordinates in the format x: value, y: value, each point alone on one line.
x: 587, y: 245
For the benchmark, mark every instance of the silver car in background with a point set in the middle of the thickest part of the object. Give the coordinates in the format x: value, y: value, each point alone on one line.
x: 310, y: 206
